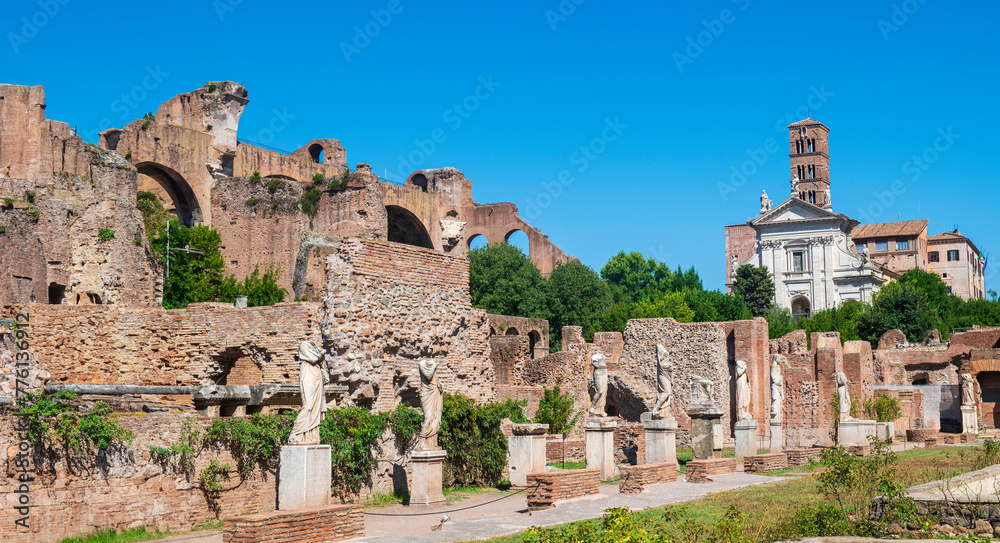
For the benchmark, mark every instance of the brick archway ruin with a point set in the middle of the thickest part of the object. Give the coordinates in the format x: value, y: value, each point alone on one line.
x: 405, y: 227
x: 172, y: 189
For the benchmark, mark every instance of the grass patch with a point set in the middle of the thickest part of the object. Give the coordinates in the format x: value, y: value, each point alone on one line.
x: 114, y: 536
x: 459, y: 493
x: 397, y: 497
x: 568, y: 465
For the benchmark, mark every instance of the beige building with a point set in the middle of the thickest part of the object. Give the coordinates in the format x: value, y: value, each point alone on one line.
x: 956, y: 259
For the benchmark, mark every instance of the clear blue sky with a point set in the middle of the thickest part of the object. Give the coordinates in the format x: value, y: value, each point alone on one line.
x: 554, y: 76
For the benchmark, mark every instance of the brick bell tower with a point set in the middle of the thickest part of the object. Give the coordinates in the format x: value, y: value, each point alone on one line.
x: 809, y: 151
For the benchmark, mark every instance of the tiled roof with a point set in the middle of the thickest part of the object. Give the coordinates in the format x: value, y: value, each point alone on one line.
x: 807, y: 122
x: 889, y: 229
x: 953, y: 236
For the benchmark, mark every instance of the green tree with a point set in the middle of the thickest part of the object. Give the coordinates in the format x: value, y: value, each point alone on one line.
x: 194, y: 277
x: 634, y: 275
x: 260, y: 290
x: 154, y: 215
x: 712, y: 305
x: 842, y: 318
x: 503, y: 281
x: 578, y: 297
x: 756, y: 287
x: 667, y: 304
x: 779, y: 322
x: 556, y: 409
x: 897, y: 306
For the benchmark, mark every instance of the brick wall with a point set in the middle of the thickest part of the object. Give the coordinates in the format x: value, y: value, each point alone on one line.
x: 759, y: 463
x: 700, y: 471
x: 576, y: 449
x: 124, y: 487
x: 547, y: 488
x: 199, y: 345
x: 634, y: 479
x: 308, y: 525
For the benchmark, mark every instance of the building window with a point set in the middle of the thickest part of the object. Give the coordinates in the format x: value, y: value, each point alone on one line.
x: 933, y: 257
x: 797, y: 261
x: 881, y: 246
x: 903, y: 245
x: 860, y: 247
x: 953, y: 256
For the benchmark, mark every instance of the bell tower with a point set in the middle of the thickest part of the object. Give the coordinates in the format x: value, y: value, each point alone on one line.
x: 809, y: 151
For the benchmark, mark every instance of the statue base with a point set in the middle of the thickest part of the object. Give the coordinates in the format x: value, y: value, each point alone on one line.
x: 855, y: 432
x: 970, y: 420
x: 885, y: 431
x: 746, y: 438
x: 661, y: 441
x: 426, y: 482
x: 777, y: 443
x: 600, y: 439
x: 704, y: 419
x: 526, y: 452
x: 304, y: 475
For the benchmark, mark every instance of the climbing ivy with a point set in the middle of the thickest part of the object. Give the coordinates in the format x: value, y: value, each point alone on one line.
x: 54, y: 418
x: 477, y: 447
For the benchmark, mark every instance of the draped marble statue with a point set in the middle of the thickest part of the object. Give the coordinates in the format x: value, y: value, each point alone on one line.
x: 430, y: 403
x: 305, y: 429
x: 600, y: 398
x: 742, y: 392
x: 777, y: 390
x: 661, y: 410
x: 844, y: 396
x: 968, y: 392
x: 701, y: 390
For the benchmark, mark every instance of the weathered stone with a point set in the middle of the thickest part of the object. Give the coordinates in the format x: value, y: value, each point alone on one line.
x: 427, y: 478
x: 304, y: 476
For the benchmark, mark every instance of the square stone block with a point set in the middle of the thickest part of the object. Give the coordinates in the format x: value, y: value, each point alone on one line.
x: 304, y: 475
x: 425, y: 488
x: 746, y: 438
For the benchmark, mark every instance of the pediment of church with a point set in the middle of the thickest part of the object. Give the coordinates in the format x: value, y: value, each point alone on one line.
x: 794, y: 209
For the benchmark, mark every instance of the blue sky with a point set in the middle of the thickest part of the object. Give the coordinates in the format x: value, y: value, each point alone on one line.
x: 666, y: 99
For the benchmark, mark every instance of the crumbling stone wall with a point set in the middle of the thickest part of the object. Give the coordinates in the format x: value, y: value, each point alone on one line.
x: 389, y: 305
x: 124, y: 486
x: 198, y: 345
x: 535, y: 330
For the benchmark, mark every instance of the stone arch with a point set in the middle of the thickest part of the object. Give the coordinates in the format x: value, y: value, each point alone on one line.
x: 525, y: 239
x: 283, y: 177
x: 534, y: 338
x: 405, y: 227
x: 800, y: 307
x: 172, y: 188
x: 419, y: 180
x: 57, y: 293
x: 921, y: 378
x: 317, y: 153
x: 475, y: 237
x: 511, y: 331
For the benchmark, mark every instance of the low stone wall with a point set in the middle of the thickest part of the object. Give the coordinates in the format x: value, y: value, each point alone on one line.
x: 700, y: 471
x: 758, y: 463
x: 958, y: 503
x: 547, y: 488
x: 312, y: 524
x: 801, y: 457
x: 921, y: 434
x: 860, y: 450
x: 634, y: 479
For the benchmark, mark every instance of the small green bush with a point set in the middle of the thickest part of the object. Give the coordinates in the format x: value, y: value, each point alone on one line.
x: 273, y: 185
x: 3, y: 229
x: 254, y: 441
x: 318, y: 178
x: 255, y: 178
x: 252, y: 202
x: 470, y: 432
x: 310, y: 202
x: 33, y: 212
x: 211, y: 87
x: 29, y: 195
x: 128, y: 155
x: 8, y: 203
x: 53, y: 418
x: 137, y: 241
x: 883, y: 408
x: 105, y: 234
x: 556, y: 410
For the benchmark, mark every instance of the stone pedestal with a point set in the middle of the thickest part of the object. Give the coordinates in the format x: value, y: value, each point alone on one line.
x: 661, y: 441
x: 777, y: 437
x: 970, y: 420
x: 601, y: 446
x: 304, y: 475
x: 425, y: 487
x: 746, y: 438
x: 704, y: 418
x: 526, y: 452
x: 885, y: 431
x: 855, y: 432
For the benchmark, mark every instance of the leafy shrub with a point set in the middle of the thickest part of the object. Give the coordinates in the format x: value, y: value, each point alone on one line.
x: 470, y: 432
x: 128, y: 154
x: 254, y: 441
x: 52, y: 418
x: 137, y: 241
x: 105, y: 234
x: 883, y: 408
x: 154, y: 215
x: 317, y: 178
x: 148, y: 120
x: 8, y: 203
x: 556, y: 410
x: 310, y: 202
x: 211, y: 87
x: 255, y: 177
x: 854, y: 483
x: 260, y: 290
x: 3, y: 229
x: 33, y: 212
x: 252, y: 202
x: 273, y: 185
x: 352, y: 433
x: 29, y: 195
x: 405, y: 422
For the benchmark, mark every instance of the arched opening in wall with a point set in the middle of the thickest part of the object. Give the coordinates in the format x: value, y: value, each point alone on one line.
x: 281, y: 176
x: 316, y: 153
x: 518, y: 239
x: 57, y: 293
x: 512, y: 331
x: 478, y: 241
x: 172, y: 189
x: 800, y: 308
x: 989, y: 386
x: 405, y: 227
x: 920, y: 379
x: 419, y: 180
x: 534, y: 338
